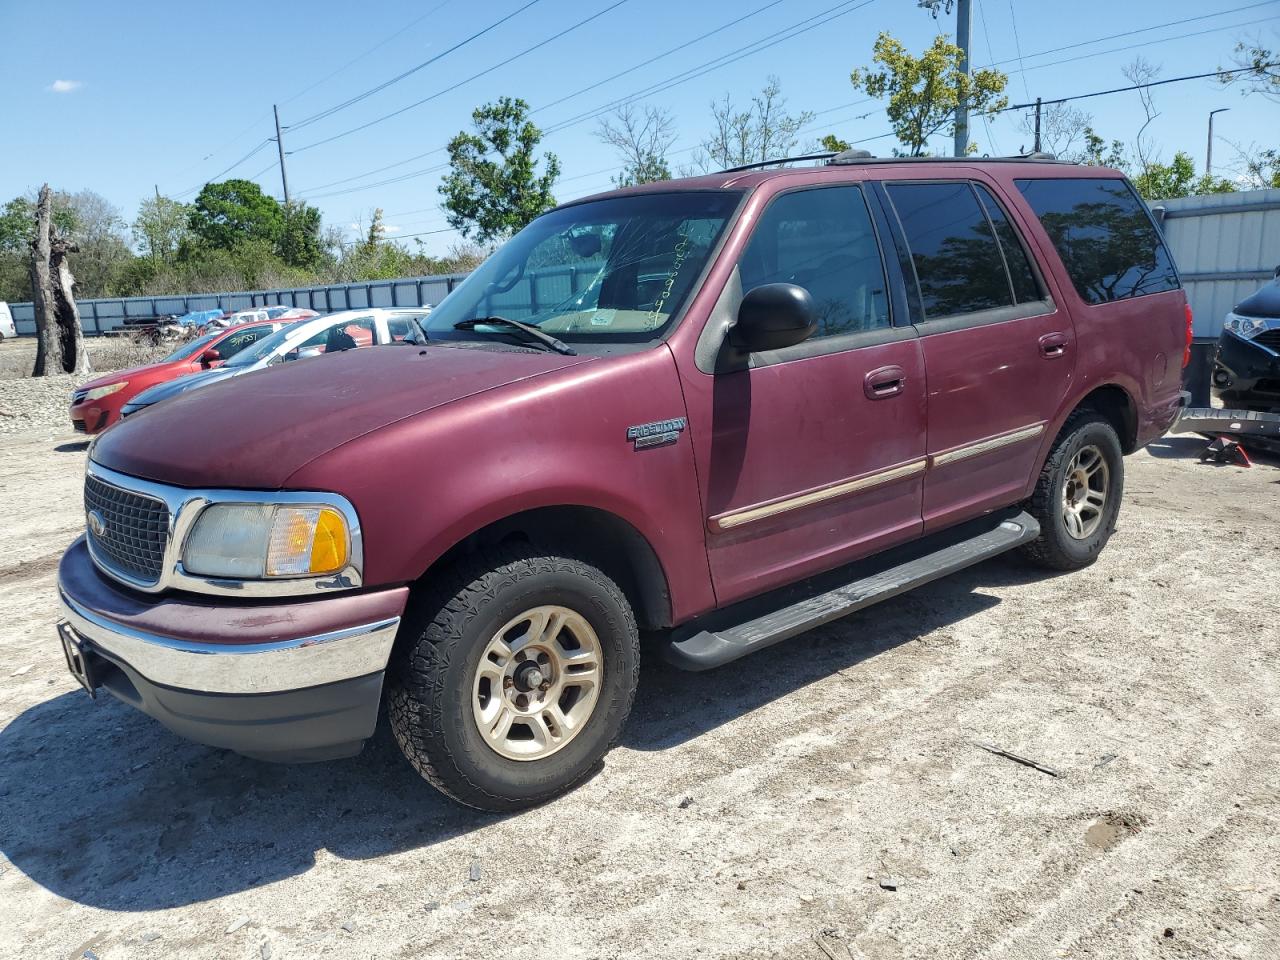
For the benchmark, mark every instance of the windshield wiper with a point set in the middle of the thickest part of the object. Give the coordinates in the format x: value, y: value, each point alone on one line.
x: 559, y: 346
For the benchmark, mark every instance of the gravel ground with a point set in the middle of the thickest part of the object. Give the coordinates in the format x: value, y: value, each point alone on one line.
x: 821, y: 799
x: 41, y: 403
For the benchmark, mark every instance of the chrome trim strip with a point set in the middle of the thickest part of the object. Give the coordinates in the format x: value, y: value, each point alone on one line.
x: 184, y: 509
x: 239, y: 668
x: 728, y: 521
x: 987, y: 445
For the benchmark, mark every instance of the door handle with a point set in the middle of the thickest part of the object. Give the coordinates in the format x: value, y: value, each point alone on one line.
x: 884, y: 382
x: 1053, y: 345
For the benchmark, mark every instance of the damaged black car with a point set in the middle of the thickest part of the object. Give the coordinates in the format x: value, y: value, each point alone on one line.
x: 1246, y: 372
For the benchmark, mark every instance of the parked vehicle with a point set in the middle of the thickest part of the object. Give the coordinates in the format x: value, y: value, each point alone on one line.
x: 291, y: 313
x: 724, y: 409
x: 1246, y: 371
x: 7, y: 327
x: 295, y: 340
x: 96, y: 405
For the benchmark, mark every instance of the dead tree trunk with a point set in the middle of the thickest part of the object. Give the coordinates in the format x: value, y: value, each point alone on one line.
x: 60, y: 338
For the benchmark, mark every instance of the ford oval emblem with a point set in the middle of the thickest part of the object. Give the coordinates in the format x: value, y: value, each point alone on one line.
x: 97, y: 526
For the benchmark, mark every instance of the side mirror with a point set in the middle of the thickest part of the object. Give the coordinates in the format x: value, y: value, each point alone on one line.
x: 773, y: 316
x: 211, y: 355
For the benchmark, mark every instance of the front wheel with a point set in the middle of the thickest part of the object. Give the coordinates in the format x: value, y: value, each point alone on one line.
x: 1077, y: 497
x: 512, y: 680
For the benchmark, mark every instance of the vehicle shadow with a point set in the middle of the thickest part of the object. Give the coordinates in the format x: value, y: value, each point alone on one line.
x: 75, y: 446
x: 103, y: 806
x: 673, y: 706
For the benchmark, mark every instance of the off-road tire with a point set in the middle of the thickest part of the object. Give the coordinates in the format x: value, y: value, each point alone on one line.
x: 1055, y: 548
x: 430, y: 680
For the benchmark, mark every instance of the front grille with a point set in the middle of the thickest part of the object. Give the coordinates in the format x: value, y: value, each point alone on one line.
x: 135, y: 529
x: 1269, y: 339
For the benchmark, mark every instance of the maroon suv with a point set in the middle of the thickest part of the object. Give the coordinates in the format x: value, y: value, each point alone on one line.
x: 723, y: 409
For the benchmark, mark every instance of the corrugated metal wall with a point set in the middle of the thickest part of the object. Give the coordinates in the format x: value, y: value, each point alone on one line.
x: 1225, y: 245
x: 99, y: 316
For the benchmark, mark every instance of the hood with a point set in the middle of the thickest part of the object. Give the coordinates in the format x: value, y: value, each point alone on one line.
x: 254, y: 431
x: 116, y: 376
x: 172, y: 388
x: 1264, y: 303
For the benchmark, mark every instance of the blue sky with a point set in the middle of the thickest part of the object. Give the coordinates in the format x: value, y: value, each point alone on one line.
x: 150, y: 94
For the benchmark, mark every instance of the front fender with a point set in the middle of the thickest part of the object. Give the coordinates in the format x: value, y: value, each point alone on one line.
x: 423, y: 484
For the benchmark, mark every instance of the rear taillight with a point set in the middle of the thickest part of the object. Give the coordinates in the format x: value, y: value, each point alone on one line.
x: 1186, y: 351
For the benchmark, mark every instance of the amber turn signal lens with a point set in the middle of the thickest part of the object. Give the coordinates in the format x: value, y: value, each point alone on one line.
x: 329, y: 548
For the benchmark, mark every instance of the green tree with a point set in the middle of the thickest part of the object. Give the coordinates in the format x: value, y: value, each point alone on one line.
x: 493, y: 188
x: 1096, y: 152
x: 923, y: 91
x: 231, y: 212
x: 835, y: 144
x: 160, y: 227
x: 1259, y: 72
x: 1161, y: 181
x: 1262, y: 167
x: 301, y: 244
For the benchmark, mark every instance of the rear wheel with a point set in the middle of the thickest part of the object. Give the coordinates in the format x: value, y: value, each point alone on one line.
x: 513, y: 679
x: 1077, y: 497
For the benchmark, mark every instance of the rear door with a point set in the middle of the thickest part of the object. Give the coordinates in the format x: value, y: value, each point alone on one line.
x: 814, y: 454
x: 998, y: 352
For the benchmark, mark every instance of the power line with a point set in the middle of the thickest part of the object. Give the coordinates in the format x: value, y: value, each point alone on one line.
x: 794, y: 30
x: 502, y: 63
x: 1141, y: 86
x: 329, y: 111
x: 248, y: 156
x: 1126, y: 33
x: 357, y: 59
x: 660, y: 56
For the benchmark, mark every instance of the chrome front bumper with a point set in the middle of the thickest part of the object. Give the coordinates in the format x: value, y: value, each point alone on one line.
x: 230, y: 668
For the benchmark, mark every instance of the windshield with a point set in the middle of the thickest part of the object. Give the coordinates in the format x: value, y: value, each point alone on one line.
x: 615, y: 269
x: 188, y: 350
x: 263, y: 348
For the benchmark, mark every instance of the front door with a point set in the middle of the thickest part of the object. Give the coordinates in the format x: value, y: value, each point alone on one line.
x: 815, y: 454
x: 998, y: 353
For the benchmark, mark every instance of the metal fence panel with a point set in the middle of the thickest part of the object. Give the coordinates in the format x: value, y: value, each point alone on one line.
x: 1225, y: 245
x: 107, y: 314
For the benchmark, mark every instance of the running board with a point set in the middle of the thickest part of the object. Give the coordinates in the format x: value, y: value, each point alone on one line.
x: 710, y: 648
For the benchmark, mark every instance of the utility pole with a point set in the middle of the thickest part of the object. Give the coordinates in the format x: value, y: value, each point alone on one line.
x: 1208, y: 152
x: 284, y: 180
x: 964, y: 34
x: 1036, y: 148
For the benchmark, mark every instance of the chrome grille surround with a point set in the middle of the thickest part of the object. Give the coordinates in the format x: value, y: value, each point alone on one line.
x: 181, y: 508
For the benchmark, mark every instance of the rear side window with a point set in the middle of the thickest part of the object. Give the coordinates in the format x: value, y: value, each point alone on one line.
x: 229, y: 346
x: 1023, y: 278
x: 957, y: 258
x: 1104, y: 235
x: 822, y: 240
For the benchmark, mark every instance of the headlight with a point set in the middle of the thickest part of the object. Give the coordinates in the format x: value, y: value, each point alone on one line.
x: 252, y: 541
x: 97, y: 393
x: 1245, y: 327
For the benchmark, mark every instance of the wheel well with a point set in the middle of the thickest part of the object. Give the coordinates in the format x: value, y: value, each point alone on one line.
x: 595, y: 536
x: 1118, y: 407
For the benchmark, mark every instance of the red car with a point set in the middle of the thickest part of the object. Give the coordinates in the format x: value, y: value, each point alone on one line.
x: 722, y: 410
x: 96, y: 405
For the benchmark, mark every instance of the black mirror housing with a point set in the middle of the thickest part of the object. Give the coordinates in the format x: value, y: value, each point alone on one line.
x: 774, y: 316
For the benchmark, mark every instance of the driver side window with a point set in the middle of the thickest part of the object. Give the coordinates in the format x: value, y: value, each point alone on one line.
x: 822, y: 239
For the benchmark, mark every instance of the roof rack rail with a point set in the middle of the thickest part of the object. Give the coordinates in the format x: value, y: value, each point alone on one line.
x: 846, y: 157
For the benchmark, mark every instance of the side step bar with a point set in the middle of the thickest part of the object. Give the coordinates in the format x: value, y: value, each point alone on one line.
x: 901, y: 570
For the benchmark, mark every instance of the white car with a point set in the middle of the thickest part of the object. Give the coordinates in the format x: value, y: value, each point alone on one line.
x: 348, y: 330
x: 7, y: 327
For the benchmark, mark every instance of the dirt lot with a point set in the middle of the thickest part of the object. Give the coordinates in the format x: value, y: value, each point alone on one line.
x: 757, y: 811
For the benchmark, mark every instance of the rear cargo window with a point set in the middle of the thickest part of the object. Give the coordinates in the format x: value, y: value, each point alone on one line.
x: 956, y: 256
x: 1104, y: 235
x: 822, y: 240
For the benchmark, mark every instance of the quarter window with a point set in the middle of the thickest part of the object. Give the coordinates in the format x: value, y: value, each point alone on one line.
x: 955, y: 252
x: 822, y: 240
x: 1104, y: 235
